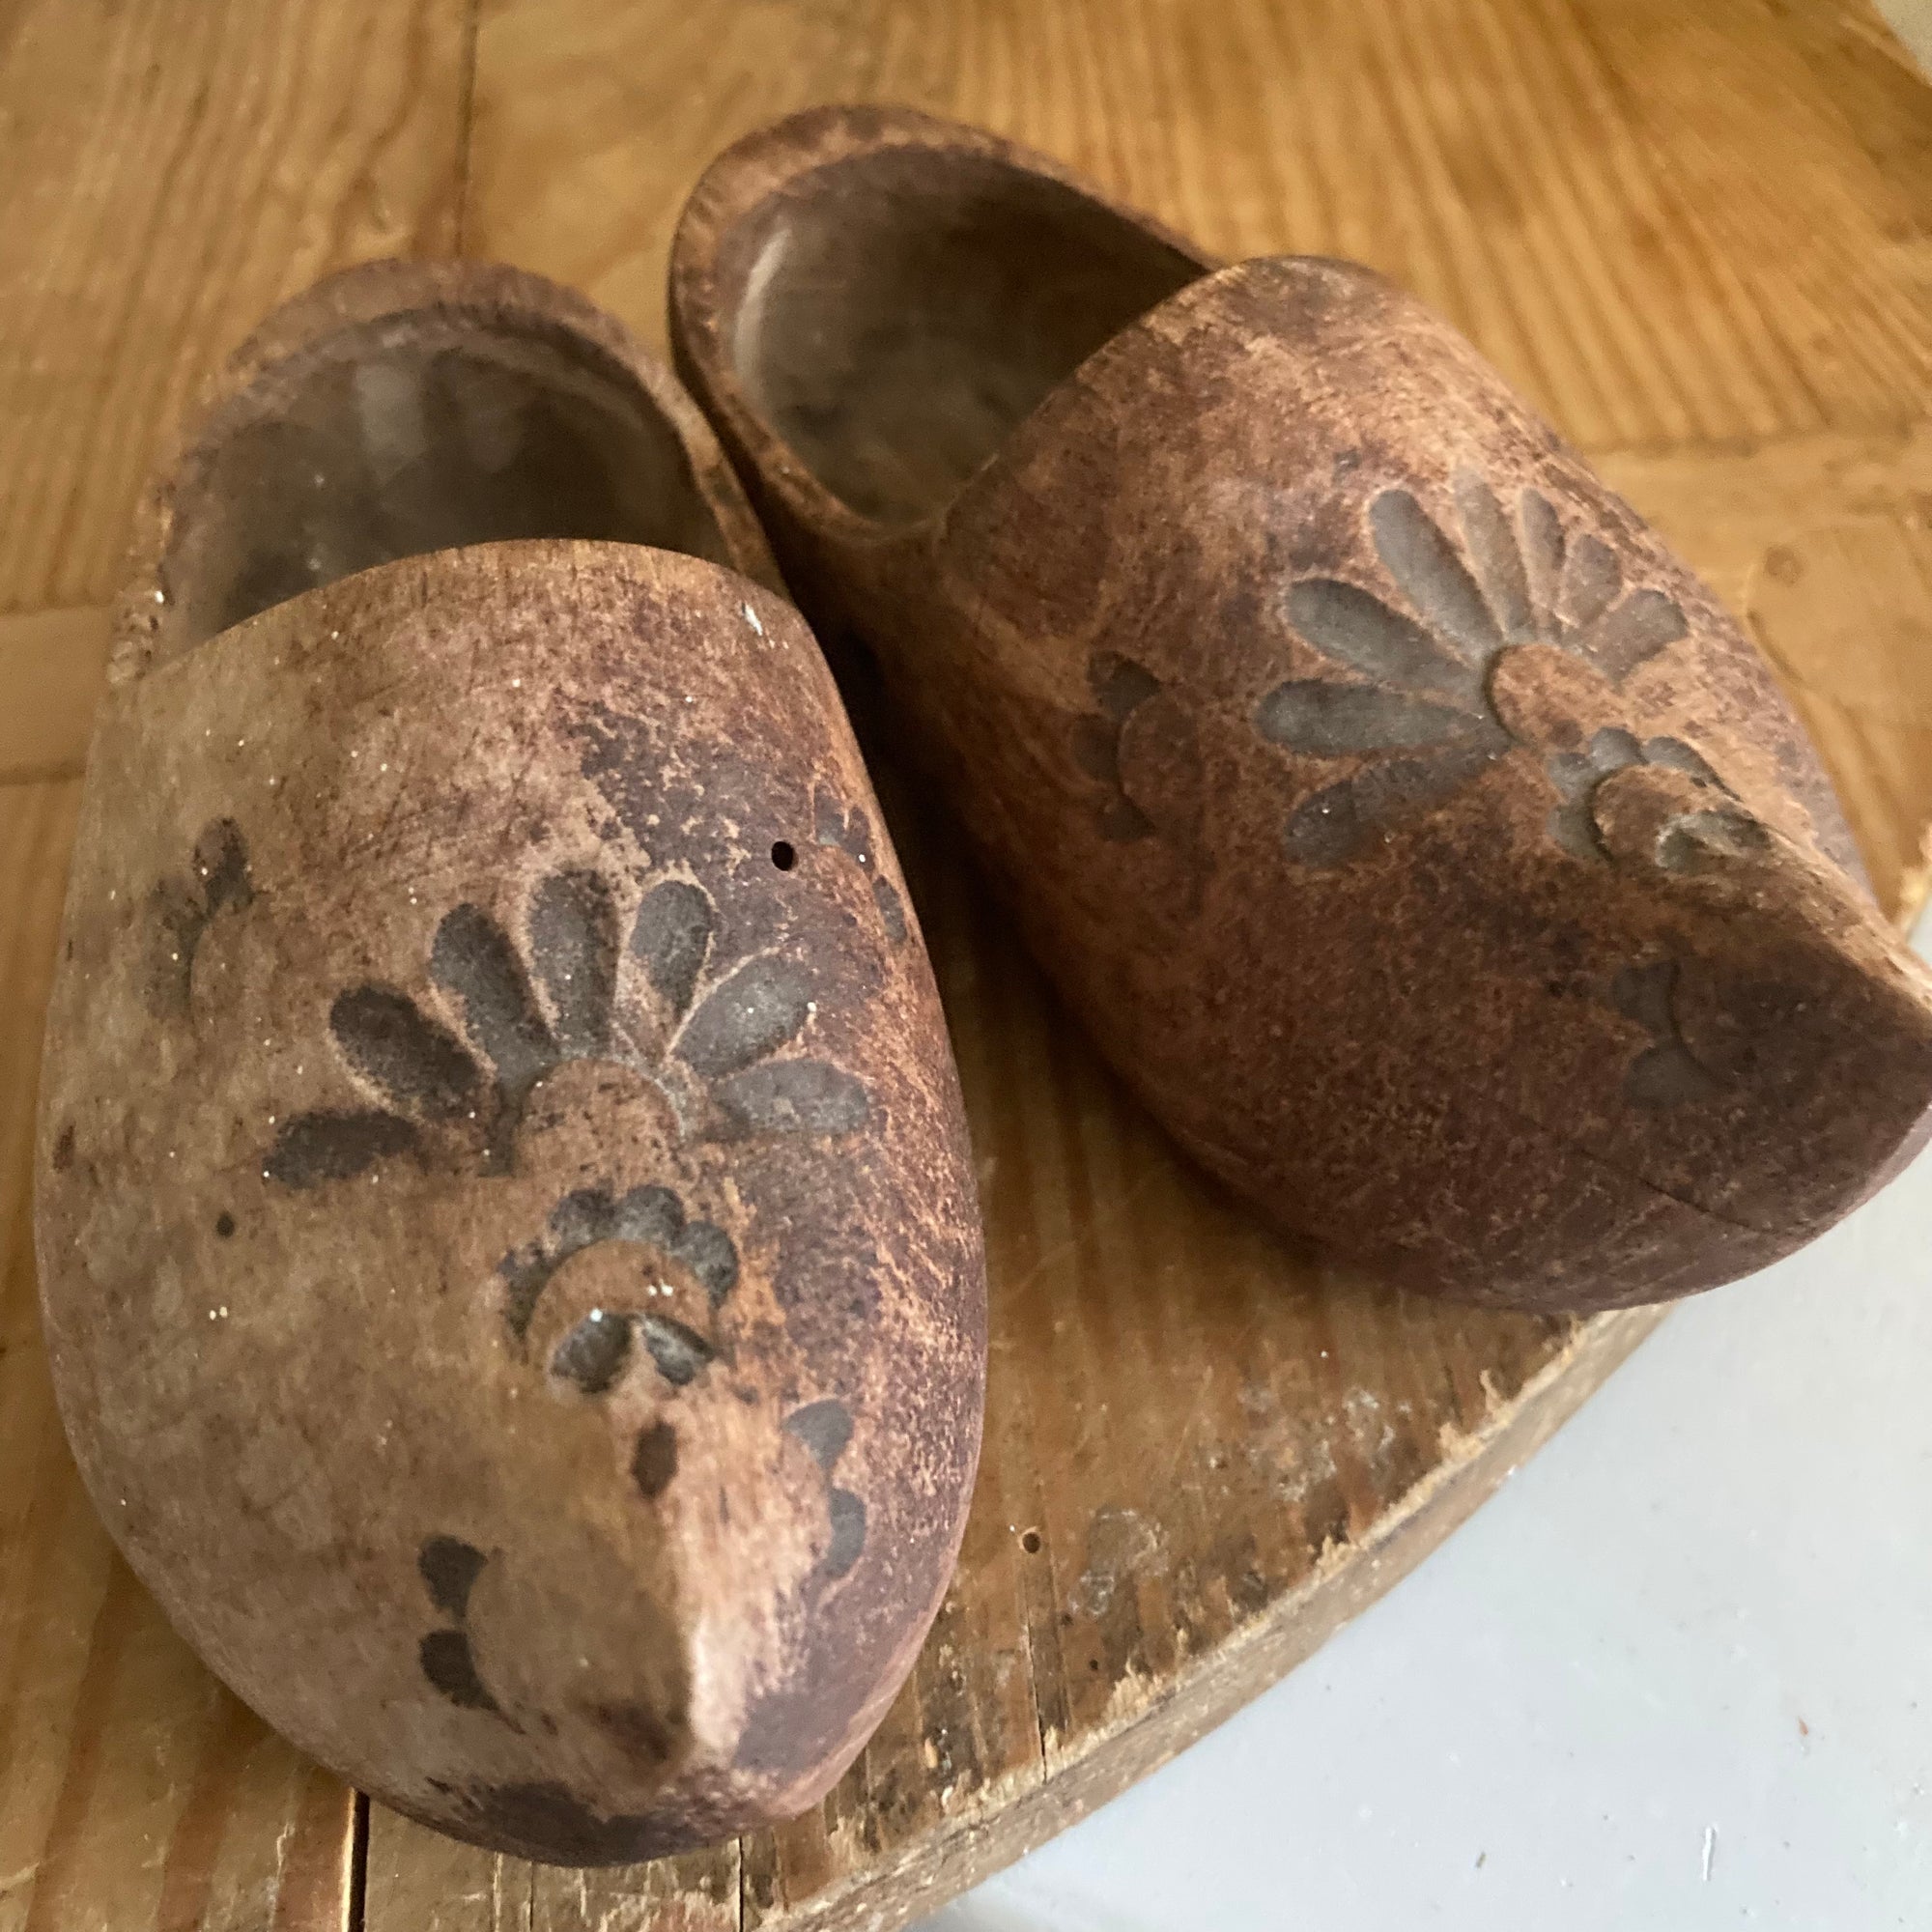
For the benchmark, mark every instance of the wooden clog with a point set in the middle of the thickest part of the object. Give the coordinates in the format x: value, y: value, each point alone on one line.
x: 1413, y: 832
x: 508, y: 1249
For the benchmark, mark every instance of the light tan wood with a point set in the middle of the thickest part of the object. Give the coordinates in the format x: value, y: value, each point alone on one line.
x: 1666, y: 223
x: 53, y: 667
x: 1867, y: 588
x: 1822, y: 543
x: 168, y: 172
x: 1694, y: 233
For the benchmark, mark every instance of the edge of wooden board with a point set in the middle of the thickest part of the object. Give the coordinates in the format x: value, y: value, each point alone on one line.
x: 1003, y: 1827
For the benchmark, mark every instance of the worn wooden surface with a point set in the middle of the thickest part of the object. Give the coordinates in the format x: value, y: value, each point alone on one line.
x: 1697, y: 232
x: 167, y: 171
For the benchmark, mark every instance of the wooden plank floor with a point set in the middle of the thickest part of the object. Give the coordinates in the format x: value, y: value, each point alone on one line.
x: 1698, y: 232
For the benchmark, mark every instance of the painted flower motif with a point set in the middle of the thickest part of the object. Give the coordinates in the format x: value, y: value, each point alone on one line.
x: 599, y: 1349
x: 707, y: 1033
x: 1666, y: 1073
x: 1691, y: 838
x: 1138, y: 746
x: 1420, y: 715
x: 1120, y: 688
x: 851, y: 832
x: 453, y: 1075
x: 453, y: 1655
x: 184, y: 906
x: 825, y: 1428
x: 449, y: 1568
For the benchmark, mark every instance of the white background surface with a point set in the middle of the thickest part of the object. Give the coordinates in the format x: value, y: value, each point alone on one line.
x: 1702, y: 1616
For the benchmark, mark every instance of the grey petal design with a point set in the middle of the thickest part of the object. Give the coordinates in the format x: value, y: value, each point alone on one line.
x: 824, y: 1426
x: 447, y: 1663
x: 1667, y: 1074
x: 751, y: 1013
x: 680, y: 1354
x: 708, y: 1252
x: 1679, y: 757
x: 672, y: 938
x: 449, y: 1568
x: 1613, y: 748
x: 1121, y: 821
x: 1499, y: 559
x: 647, y: 1215
x: 1691, y: 842
x: 1631, y: 632
x: 1571, y: 824
x: 1360, y: 631
x: 1119, y: 684
x: 576, y: 1220
x: 847, y: 1511
x: 1329, y: 721
x: 315, y: 1148
x: 221, y: 865
x: 852, y: 834
x: 473, y: 960
x: 827, y: 817
x: 790, y: 1097
x: 1512, y: 582
x: 892, y: 908
x: 425, y: 1072
x: 1424, y: 562
x: 592, y: 1355
x: 183, y: 907
x: 1097, y: 749
x: 1333, y: 824
x: 651, y: 1215
x: 416, y: 1066
x: 1542, y: 558
x: 1576, y: 776
x: 1120, y: 688
x: 654, y: 1459
x: 1591, y: 578
x: 574, y: 946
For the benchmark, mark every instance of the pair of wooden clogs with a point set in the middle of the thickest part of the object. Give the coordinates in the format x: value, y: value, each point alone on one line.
x: 508, y: 1248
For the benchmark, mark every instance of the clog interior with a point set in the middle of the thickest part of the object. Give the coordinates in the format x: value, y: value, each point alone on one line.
x: 412, y: 435
x: 898, y: 314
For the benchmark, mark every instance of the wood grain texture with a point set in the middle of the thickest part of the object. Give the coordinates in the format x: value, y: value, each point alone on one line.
x: 1700, y: 236
x: 168, y: 171
x: 1665, y: 224
x: 53, y: 667
x: 1824, y: 545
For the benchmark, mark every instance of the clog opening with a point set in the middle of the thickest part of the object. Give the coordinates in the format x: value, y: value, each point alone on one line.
x: 900, y: 313
x: 417, y: 434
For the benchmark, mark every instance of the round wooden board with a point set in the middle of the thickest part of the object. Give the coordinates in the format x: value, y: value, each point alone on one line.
x: 1204, y: 1452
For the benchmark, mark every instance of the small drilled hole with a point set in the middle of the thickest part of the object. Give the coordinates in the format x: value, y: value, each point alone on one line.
x: 784, y: 856
x: 225, y: 1226
x: 1030, y: 1543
